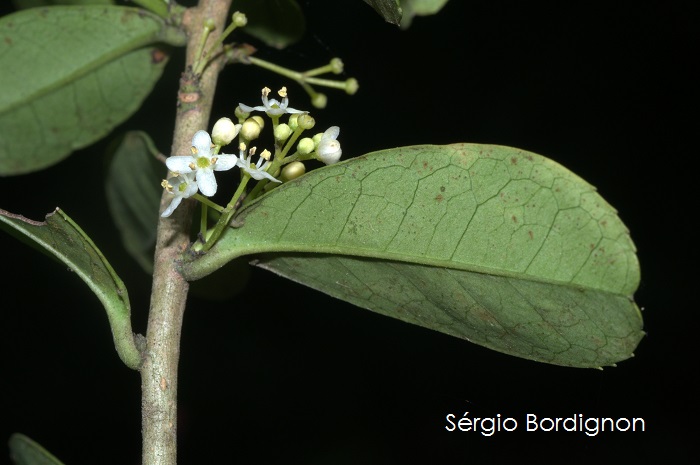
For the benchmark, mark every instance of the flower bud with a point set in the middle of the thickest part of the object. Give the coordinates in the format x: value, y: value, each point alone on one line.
x: 328, y: 150
x: 306, y: 121
x: 250, y: 130
x: 293, y: 124
x: 209, y: 24
x: 224, y: 132
x: 259, y: 119
x: 351, y: 86
x: 239, y: 19
x: 282, y: 132
x: 306, y: 146
x: 319, y: 101
x: 337, y: 65
x: 292, y: 171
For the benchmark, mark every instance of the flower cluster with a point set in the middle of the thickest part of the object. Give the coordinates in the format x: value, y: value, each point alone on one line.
x: 194, y: 174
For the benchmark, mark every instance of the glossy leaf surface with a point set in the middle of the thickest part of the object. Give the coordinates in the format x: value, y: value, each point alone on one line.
x: 71, y: 74
x: 493, y: 244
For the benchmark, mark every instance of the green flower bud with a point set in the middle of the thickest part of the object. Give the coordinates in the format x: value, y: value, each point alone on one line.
x: 337, y: 65
x: 292, y: 171
x: 209, y: 24
x: 282, y: 132
x: 306, y: 121
x: 293, y: 121
x: 306, y: 145
x: 239, y: 19
x: 351, y: 86
x: 319, y: 101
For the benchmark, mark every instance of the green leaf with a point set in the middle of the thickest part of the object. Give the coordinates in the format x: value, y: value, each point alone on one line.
x: 23, y: 4
x: 71, y: 74
x: 133, y: 194
x: 492, y: 244
x: 278, y: 23
x: 390, y: 10
x: 24, y: 451
x: 413, y: 8
x: 64, y: 239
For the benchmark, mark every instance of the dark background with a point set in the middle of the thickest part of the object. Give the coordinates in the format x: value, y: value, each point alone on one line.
x: 284, y: 374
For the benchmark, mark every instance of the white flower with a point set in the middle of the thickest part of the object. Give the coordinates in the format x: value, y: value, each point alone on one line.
x: 202, y: 162
x: 328, y: 149
x: 272, y: 107
x: 181, y: 187
x: 256, y: 171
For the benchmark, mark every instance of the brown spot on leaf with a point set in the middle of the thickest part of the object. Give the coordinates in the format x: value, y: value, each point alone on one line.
x: 442, y: 188
x: 532, y: 236
x: 513, y: 161
x: 514, y: 218
x: 439, y: 198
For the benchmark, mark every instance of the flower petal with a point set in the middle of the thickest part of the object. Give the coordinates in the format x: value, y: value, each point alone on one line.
x: 206, y: 182
x: 179, y: 164
x: 202, y: 142
x: 248, y: 109
x: 171, y: 208
x: 332, y: 132
x: 225, y: 162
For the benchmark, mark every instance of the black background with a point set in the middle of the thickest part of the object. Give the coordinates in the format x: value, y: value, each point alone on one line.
x: 284, y: 374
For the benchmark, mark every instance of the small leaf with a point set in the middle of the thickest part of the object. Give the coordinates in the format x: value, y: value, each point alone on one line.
x: 278, y: 23
x: 412, y: 8
x: 24, y: 451
x: 71, y: 74
x: 133, y: 194
x: 493, y: 244
x: 64, y: 239
x: 390, y: 10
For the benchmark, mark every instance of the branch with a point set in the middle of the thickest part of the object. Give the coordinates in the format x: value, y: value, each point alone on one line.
x: 169, y: 293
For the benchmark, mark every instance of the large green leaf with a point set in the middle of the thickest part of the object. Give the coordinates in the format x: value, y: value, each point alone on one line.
x: 70, y: 75
x: 24, y: 451
x: 62, y: 238
x: 493, y: 244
